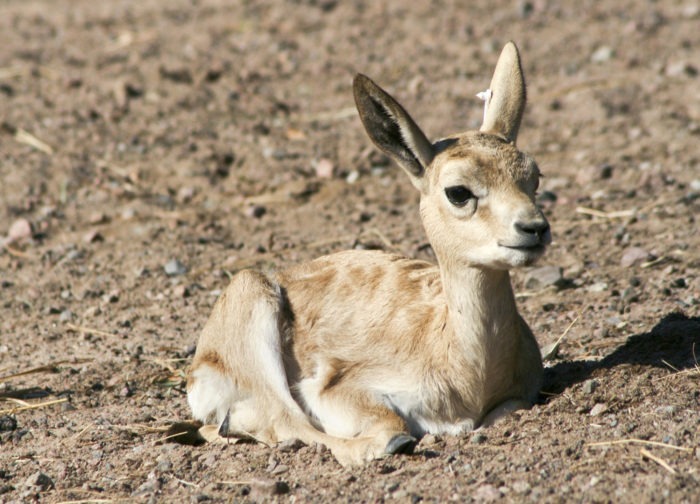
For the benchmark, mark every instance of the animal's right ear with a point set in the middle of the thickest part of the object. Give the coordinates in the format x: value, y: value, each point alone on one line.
x: 392, y: 129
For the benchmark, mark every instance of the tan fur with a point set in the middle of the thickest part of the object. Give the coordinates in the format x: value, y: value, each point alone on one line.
x: 360, y: 350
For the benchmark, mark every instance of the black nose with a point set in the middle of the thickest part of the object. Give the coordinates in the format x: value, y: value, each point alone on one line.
x: 535, y: 228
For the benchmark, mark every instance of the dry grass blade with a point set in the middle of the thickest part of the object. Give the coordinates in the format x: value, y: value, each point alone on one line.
x: 15, y: 400
x: 691, y: 372
x: 87, y: 501
x: 89, y: 330
x: 48, y: 368
x: 14, y: 252
x: 27, y: 138
x: 186, y: 483
x: 647, y: 454
x: 335, y: 115
x: 640, y: 441
x: 619, y: 214
x: 549, y: 352
x: 33, y: 406
x: 12, y: 72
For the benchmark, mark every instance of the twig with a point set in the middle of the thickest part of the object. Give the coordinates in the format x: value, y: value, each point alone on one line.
x: 639, y: 441
x: 658, y: 460
x: 89, y: 330
x: 33, y: 406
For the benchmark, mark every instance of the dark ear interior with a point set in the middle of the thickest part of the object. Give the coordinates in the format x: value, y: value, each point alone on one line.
x: 391, y: 128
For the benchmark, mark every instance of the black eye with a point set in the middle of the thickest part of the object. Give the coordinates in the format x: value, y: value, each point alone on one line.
x: 458, y: 195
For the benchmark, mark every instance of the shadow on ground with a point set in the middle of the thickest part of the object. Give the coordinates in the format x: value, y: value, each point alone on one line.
x: 673, y: 343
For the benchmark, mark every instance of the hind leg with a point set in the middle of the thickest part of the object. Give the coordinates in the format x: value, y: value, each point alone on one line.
x: 238, y: 375
x: 371, y: 429
x: 238, y: 372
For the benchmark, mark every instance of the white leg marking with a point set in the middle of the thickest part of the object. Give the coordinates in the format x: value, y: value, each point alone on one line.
x: 211, y: 395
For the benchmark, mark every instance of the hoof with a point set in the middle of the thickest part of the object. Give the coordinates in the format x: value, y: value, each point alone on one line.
x: 401, y: 443
x: 224, y: 428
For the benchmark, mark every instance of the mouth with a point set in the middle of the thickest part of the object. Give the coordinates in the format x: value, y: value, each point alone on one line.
x: 536, y: 248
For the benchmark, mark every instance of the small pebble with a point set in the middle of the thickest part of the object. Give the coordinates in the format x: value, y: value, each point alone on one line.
x: 598, y: 287
x: 174, y: 268
x: 20, y: 229
x: 324, y: 168
x: 602, y: 54
x: 629, y: 295
x: 632, y: 256
x: 598, y: 409
x: 66, y: 316
x: 97, y: 218
x: 93, y: 236
x: 260, y: 488
x: 521, y: 487
x: 544, y: 276
x: 280, y: 469
x: 589, y: 386
x: 487, y: 493
x: 7, y: 423
x: 478, y: 438
x: 40, y: 480
x: 181, y: 291
x: 255, y: 211
x: 681, y: 68
x: 290, y: 445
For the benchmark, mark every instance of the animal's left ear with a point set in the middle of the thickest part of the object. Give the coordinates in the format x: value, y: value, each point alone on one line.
x: 505, y: 100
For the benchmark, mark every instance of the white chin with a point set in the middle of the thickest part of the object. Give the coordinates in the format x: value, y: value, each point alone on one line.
x: 516, y: 258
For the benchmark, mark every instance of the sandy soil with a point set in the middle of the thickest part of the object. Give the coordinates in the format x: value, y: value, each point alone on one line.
x: 206, y: 136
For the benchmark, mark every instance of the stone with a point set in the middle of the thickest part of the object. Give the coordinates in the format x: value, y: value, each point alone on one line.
x: 255, y: 211
x: 544, y: 276
x: 632, y: 256
x: 324, y: 168
x: 589, y: 386
x: 39, y: 480
x: 602, y: 54
x: 598, y: 409
x: 174, y: 268
x: 261, y: 488
x: 7, y: 423
x: 487, y: 493
x: 290, y: 445
x: 19, y: 230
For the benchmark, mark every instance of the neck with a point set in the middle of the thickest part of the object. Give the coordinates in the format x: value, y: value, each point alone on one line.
x: 481, y: 308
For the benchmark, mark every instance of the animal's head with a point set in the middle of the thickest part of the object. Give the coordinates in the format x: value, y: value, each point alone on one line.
x: 477, y: 189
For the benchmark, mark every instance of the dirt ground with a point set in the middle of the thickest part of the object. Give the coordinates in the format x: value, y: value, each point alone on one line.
x: 149, y: 149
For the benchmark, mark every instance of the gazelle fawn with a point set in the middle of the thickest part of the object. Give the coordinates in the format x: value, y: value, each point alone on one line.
x: 365, y: 351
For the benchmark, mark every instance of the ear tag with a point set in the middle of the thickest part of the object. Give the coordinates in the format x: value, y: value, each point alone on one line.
x: 486, y: 96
